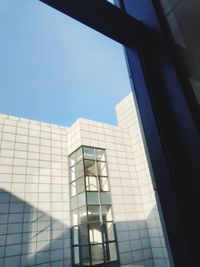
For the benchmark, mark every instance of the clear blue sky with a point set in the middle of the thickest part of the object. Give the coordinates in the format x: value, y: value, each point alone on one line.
x: 54, y: 69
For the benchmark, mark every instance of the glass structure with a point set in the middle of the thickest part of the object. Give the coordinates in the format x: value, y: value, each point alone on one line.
x: 92, y: 229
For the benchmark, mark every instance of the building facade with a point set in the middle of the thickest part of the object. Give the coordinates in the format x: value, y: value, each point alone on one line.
x: 79, y: 195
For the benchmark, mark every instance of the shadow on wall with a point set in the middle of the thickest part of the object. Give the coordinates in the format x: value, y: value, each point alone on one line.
x: 142, y: 242
x: 29, y: 236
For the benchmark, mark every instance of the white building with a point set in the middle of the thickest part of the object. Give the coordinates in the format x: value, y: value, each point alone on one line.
x: 112, y: 219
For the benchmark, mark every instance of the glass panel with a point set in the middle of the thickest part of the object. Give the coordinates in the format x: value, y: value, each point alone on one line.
x: 89, y: 153
x: 106, y: 213
x: 111, y: 252
x: 92, y: 198
x: 79, y: 154
x: 74, y: 202
x: 95, y: 233
x: 93, y: 213
x: 74, y: 217
x: 91, y: 183
x: 90, y: 168
x: 85, y: 255
x: 101, y: 154
x: 109, y: 232
x: 79, y: 170
x: 105, y: 198
x: 75, y: 235
x: 97, y: 254
x: 76, y: 255
x: 101, y: 168
x: 104, y: 185
x: 80, y: 185
x: 82, y: 215
x: 72, y: 174
x: 73, y: 189
x: 72, y: 160
x: 83, y: 234
x: 81, y: 199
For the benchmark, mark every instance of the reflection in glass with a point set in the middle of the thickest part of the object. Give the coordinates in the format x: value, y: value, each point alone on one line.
x: 90, y: 168
x: 83, y: 234
x: 72, y: 174
x: 106, y: 212
x: 95, y: 233
x: 74, y: 202
x: 89, y: 153
x: 103, y: 182
x: 101, y: 154
x: 73, y: 189
x: 76, y: 255
x: 81, y: 200
x: 97, y: 254
x: 80, y: 185
x: 85, y: 255
x: 112, y: 251
x: 105, y: 198
x: 91, y: 183
x: 93, y: 213
x: 101, y: 168
x: 79, y: 170
x: 75, y: 235
x: 109, y: 232
x: 82, y: 215
x: 74, y: 217
x: 79, y: 154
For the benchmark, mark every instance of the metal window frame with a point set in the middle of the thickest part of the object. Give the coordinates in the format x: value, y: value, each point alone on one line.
x: 169, y: 126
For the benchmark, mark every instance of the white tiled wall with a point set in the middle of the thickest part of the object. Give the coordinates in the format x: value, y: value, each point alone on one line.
x: 128, y: 119
x: 34, y: 201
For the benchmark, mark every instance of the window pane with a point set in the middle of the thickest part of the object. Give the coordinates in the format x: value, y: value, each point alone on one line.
x: 95, y: 233
x: 83, y: 234
x: 73, y: 202
x: 73, y: 189
x: 72, y: 174
x: 72, y: 160
x: 106, y: 213
x: 92, y: 198
x: 90, y: 168
x: 105, y: 197
x: 85, y: 255
x: 80, y: 185
x: 109, y: 232
x: 75, y: 235
x: 79, y: 154
x: 82, y: 215
x: 79, y: 170
x: 97, y: 254
x: 101, y: 154
x: 93, y: 213
x: 89, y: 153
x: 81, y: 199
x: 111, y: 252
x: 101, y: 169
x: 91, y: 183
x: 74, y: 217
x: 104, y: 185
x: 76, y: 255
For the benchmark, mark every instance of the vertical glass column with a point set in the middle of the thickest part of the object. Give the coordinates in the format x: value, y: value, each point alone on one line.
x: 93, y: 235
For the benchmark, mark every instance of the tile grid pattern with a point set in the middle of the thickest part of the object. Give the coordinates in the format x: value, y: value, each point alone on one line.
x: 34, y: 208
x: 127, y: 118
